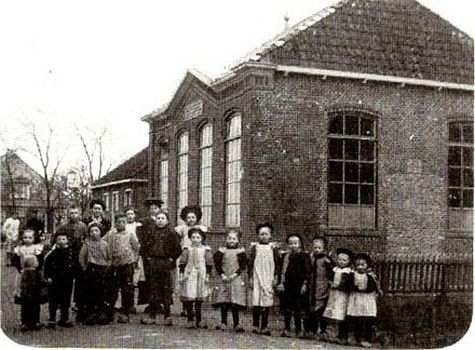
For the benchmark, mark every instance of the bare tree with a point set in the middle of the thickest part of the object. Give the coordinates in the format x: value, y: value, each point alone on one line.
x: 93, y: 147
x: 49, y: 163
x: 7, y: 160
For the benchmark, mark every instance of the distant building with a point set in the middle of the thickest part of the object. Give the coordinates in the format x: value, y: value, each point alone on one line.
x: 124, y: 186
x: 21, y: 187
x: 356, y: 123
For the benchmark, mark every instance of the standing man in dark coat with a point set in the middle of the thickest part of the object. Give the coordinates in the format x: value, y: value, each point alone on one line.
x: 153, y: 205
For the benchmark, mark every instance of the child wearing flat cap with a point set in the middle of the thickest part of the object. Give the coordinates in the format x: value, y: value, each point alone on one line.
x: 340, y: 285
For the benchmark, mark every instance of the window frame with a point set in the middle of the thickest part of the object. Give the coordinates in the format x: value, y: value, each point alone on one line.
x: 181, y: 156
x: 358, y: 137
x: 206, y: 208
x: 229, y: 141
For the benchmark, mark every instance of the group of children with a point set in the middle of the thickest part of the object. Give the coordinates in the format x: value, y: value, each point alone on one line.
x: 313, y: 287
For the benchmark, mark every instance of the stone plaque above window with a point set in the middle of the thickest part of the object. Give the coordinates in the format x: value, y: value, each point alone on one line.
x: 193, y: 109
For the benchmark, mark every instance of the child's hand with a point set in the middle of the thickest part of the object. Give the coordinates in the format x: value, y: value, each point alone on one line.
x: 303, y: 290
x: 280, y: 287
x: 207, y: 279
x: 224, y: 277
x: 332, y: 284
x: 274, y: 282
x: 49, y: 281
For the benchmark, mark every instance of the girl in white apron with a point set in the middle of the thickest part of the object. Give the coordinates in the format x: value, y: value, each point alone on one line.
x: 339, y: 293
x: 362, y: 307
x: 263, y: 260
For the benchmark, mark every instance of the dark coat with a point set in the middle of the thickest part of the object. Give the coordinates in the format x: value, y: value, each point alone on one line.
x: 158, y: 243
x: 321, y: 275
x: 293, y: 272
x: 60, y: 265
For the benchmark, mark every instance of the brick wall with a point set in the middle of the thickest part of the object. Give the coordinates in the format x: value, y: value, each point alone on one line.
x: 284, y: 156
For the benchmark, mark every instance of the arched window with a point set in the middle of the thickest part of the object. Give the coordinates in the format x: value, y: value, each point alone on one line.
x: 163, y: 182
x: 206, y: 172
x: 233, y: 171
x: 460, y: 175
x: 182, y: 173
x: 352, y: 169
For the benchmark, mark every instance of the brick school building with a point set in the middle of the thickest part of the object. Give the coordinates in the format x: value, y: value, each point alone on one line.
x: 356, y: 123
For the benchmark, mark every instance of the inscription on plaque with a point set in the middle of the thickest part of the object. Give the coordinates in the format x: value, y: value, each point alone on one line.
x: 193, y: 109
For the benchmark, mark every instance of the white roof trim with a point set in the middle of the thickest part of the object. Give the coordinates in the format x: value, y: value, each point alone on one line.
x: 118, y: 182
x: 373, y: 77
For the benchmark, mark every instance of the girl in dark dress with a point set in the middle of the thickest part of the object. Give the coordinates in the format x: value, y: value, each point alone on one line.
x: 293, y: 278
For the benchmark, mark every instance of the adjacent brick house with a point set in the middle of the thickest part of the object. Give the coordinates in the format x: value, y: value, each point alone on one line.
x: 124, y: 186
x: 356, y: 123
x: 26, y: 185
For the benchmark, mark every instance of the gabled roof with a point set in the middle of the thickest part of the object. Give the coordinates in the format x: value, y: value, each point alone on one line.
x: 396, y: 38
x: 20, y: 168
x: 135, y: 167
x: 190, y: 76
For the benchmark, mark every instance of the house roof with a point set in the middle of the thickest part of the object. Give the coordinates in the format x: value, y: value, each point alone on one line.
x: 374, y: 38
x: 135, y: 167
x: 20, y: 168
x: 385, y: 37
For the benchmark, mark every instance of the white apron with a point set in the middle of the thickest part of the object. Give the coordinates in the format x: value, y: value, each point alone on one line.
x: 263, y: 276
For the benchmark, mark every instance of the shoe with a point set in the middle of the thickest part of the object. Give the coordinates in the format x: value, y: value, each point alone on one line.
x: 285, y: 334
x: 341, y: 341
x: 201, y: 325
x: 123, y: 318
x: 133, y: 310
x: 309, y: 335
x: 51, y: 325
x: 366, y: 344
x: 323, y: 336
x: 24, y: 328
x: 148, y: 319
x: 255, y: 330
x: 190, y: 325
x: 221, y: 327
x: 37, y: 327
x: 300, y: 335
x: 91, y: 320
x: 238, y: 328
x: 65, y: 324
x: 104, y: 318
x: 265, y: 331
x: 168, y: 321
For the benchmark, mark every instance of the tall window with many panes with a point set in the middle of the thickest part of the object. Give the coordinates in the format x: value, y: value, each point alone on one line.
x: 163, y: 179
x: 206, y: 157
x: 182, y: 174
x: 460, y: 176
x: 352, y: 170
x: 233, y: 171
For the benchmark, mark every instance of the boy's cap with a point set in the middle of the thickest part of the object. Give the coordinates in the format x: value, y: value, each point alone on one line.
x: 345, y: 251
x: 363, y: 256
x: 153, y: 200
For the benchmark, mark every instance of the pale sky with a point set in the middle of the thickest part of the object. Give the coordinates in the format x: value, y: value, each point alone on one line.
x: 111, y: 62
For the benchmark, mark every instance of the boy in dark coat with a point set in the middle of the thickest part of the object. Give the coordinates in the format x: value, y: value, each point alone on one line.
x: 159, y: 248
x: 59, y: 271
x: 293, y: 278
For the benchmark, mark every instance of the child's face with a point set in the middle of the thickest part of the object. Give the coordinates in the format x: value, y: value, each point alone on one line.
x: 318, y: 246
x: 28, y: 237
x: 130, y: 216
x: 343, y: 260
x: 95, y: 232
x: 232, y: 240
x: 154, y: 209
x: 195, y: 239
x: 162, y: 220
x: 264, y: 235
x: 361, y: 265
x: 294, y: 244
x: 97, y: 210
x: 120, y: 223
x: 74, y: 215
x: 62, y: 241
x: 191, y: 219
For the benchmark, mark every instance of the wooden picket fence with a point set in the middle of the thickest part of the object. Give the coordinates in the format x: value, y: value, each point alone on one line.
x: 437, y: 273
